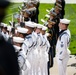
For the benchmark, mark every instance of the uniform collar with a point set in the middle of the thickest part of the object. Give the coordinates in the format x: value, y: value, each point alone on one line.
x: 68, y: 32
x: 61, y: 31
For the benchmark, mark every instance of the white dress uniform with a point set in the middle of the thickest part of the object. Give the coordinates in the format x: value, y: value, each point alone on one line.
x: 44, y: 53
x: 20, y: 54
x: 21, y: 59
x: 27, y: 47
x: 35, y: 53
x: 40, y: 60
x: 62, y: 51
x: 47, y: 47
x: 29, y: 44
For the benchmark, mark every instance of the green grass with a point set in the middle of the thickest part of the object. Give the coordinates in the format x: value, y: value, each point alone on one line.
x: 42, y: 10
x: 13, y: 8
x: 70, y: 13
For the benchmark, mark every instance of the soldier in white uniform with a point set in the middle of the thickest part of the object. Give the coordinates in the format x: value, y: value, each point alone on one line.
x: 40, y: 60
x: 22, y: 32
x: 37, y: 51
x: 28, y: 43
x: 62, y: 51
x: 17, y: 43
x: 44, y: 52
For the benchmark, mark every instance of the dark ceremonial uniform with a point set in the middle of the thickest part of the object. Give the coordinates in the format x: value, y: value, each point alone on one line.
x: 63, y: 8
x: 37, y: 12
x: 35, y: 17
x: 62, y: 12
x: 56, y: 27
x: 8, y: 58
x: 50, y: 62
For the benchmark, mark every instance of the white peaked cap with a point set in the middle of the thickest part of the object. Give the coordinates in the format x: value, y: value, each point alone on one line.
x: 30, y: 24
x: 39, y: 26
x: 18, y: 39
x: 65, y: 21
x: 44, y: 28
x: 22, y: 30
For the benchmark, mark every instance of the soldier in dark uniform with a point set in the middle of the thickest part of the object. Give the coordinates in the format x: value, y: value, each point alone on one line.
x: 37, y: 11
x: 57, y: 11
x: 62, y: 3
x: 8, y: 58
x: 50, y: 39
x: 55, y: 30
x: 36, y: 4
x: 26, y: 14
x: 55, y: 18
x: 63, y: 8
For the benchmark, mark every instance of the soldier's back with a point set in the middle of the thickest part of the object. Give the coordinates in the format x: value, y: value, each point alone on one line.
x: 8, y: 58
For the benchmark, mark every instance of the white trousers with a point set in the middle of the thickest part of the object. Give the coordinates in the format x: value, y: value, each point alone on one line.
x: 62, y: 65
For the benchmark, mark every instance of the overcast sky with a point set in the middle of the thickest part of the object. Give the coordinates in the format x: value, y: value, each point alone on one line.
x: 46, y: 1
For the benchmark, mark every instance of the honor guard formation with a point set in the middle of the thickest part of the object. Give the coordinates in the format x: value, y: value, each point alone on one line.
x: 37, y: 44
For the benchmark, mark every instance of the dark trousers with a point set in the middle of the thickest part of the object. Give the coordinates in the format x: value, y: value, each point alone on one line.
x: 50, y: 62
